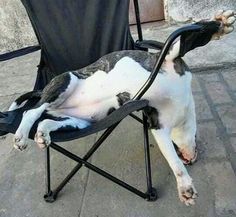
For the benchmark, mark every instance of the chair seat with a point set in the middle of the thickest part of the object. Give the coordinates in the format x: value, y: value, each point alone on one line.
x: 9, y: 122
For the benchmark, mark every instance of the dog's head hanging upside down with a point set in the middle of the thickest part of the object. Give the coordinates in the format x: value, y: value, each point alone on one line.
x: 79, y: 98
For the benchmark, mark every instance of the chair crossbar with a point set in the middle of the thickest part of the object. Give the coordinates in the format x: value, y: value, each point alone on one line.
x: 51, y: 196
x: 136, y: 118
x: 98, y: 170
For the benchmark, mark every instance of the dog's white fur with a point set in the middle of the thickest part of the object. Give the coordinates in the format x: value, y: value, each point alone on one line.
x: 89, y: 99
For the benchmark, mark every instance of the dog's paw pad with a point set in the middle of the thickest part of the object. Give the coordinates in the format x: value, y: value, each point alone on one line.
x: 229, y: 29
x: 188, y: 195
x: 228, y: 13
x: 227, y: 19
x: 230, y: 21
x: 42, y: 139
x: 186, y: 190
x: 19, y: 142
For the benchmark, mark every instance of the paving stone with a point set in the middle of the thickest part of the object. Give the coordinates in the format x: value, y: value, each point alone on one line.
x: 6, y: 143
x: 207, y: 78
x: 230, y: 78
x: 208, y: 141
x: 122, y: 155
x: 227, y: 114
x: 217, y: 92
x: 18, y: 75
x: 202, y: 108
x: 224, y: 184
x: 5, y: 101
x: 20, y: 66
x: 195, y: 85
x: 233, y: 143
x: 20, y: 84
x: 22, y: 183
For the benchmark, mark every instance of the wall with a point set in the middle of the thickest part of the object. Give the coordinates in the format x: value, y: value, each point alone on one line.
x: 187, y: 10
x: 150, y: 10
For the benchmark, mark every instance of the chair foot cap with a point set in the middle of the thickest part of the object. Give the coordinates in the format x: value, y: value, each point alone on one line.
x: 152, y: 195
x: 50, y: 197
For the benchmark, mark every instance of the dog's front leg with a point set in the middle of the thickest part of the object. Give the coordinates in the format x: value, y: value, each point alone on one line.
x: 186, y: 189
x: 28, y: 120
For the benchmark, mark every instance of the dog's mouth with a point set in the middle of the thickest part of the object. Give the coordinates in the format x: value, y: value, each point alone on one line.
x: 184, y: 160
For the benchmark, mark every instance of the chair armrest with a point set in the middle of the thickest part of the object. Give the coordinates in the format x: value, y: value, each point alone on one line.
x: 161, y: 58
x: 149, y: 44
x: 20, y: 52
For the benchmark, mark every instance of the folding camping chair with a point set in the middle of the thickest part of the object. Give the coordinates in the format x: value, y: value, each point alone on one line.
x: 73, y: 34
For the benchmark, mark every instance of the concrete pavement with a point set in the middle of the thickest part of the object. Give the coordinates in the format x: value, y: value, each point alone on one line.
x: 89, y: 195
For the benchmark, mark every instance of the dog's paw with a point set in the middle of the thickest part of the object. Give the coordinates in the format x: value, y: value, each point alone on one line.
x: 187, y: 191
x: 42, y: 139
x: 227, y: 19
x: 20, y: 141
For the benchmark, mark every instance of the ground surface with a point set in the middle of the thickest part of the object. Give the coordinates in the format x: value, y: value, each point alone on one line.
x: 89, y: 195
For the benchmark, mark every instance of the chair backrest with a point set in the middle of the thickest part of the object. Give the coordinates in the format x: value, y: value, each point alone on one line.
x: 75, y: 33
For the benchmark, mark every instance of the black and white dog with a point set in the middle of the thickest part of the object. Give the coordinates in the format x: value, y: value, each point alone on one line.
x: 85, y: 96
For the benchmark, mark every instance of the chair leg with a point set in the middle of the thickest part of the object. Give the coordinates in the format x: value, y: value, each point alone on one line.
x: 99, y: 171
x: 49, y: 196
x: 150, y: 190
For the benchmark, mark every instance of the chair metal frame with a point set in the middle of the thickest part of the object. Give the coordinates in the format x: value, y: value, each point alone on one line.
x: 151, y: 193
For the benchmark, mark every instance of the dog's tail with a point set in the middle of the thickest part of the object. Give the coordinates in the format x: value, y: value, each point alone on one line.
x: 20, y: 100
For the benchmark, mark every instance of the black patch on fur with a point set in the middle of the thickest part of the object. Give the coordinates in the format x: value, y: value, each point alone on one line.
x: 180, y: 66
x: 153, y: 118
x: 123, y: 98
x: 106, y: 63
x: 80, y: 75
x: 68, y: 128
x: 112, y: 109
x: 102, y: 64
x: 191, y: 40
x: 52, y: 117
x: 57, y: 86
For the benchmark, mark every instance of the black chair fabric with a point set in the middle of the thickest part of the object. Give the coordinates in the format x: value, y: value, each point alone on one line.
x: 75, y: 33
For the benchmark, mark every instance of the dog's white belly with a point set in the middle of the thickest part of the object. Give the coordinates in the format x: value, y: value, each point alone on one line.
x: 94, y: 96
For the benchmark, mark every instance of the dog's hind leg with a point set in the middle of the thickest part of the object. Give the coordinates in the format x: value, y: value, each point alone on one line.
x: 184, y: 136
x: 221, y: 24
x: 29, y: 118
x: 186, y: 189
x: 42, y: 137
